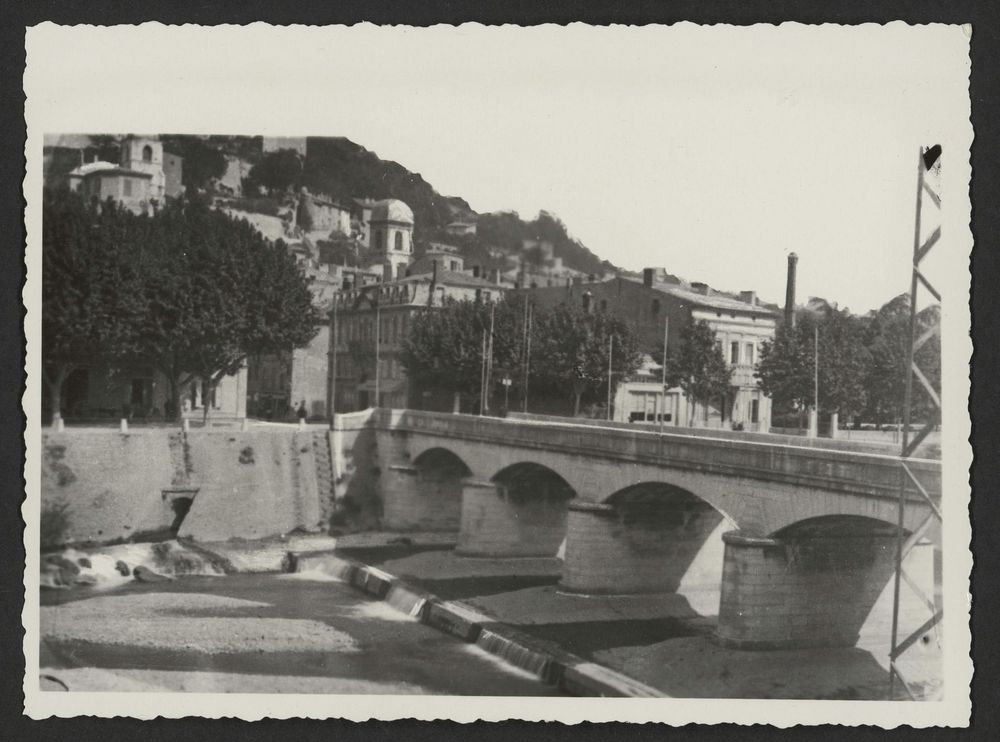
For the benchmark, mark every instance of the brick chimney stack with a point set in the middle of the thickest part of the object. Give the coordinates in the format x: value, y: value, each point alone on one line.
x: 793, y: 260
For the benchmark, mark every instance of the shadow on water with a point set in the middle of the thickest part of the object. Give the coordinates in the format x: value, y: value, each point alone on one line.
x: 584, y: 638
x: 457, y: 588
x: 379, y: 555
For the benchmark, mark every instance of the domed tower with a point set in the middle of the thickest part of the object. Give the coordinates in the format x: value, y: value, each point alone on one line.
x: 391, y: 230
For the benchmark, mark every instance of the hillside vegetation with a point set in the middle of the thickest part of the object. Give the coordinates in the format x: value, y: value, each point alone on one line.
x: 342, y: 170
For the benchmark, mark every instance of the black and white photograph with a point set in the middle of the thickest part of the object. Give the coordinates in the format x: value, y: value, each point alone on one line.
x: 564, y: 372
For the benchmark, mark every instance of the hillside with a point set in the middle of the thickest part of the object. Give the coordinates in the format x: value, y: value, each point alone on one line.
x: 343, y: 170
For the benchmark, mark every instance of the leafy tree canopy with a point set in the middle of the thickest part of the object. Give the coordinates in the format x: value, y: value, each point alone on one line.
x: 188, y: 289
x: 698, y: 367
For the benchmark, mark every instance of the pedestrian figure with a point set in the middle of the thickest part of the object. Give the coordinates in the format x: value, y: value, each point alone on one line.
x: 301, y: 413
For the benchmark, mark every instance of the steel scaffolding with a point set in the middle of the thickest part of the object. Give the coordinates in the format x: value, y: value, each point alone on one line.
x: 928, y: 171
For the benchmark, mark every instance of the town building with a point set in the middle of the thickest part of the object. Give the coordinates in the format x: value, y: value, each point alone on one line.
x: 325, y: 215
x: 279, y: 383
x: 460, y: 228
x: 374, y: 321
x: 741, y: 325
x: 143, y: 177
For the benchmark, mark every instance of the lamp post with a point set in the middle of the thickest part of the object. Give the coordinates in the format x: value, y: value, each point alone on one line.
x: 506, y: 381
x: 663, y: 373
x: 611, y: 353
x: 331, y: 393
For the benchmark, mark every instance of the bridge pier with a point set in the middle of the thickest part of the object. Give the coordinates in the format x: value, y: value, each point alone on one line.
x: 497, y: 522
x: 416, y: 500
x: 812, y: 590
x: 634, y: 548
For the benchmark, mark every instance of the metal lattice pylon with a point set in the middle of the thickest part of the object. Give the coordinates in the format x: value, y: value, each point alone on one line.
x: 928, y: 188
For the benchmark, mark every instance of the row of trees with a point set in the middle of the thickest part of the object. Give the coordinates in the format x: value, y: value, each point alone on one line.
x: 186, y: 290
x: 570, y: 352
x: 860, y: 362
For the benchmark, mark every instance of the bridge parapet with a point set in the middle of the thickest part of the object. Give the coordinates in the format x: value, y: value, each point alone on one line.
x: 842, y: 471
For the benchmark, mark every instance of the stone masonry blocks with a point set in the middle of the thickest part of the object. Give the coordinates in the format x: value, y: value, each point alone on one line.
x: 605, y: 553
x: 799, y: 593
x: 494, y: 524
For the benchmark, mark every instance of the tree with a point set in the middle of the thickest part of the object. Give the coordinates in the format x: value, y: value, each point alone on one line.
x: 887, y: 338
x: 831, y: 344
x: 843, y: 361
x: 279, y: 170
x: 698, y: 368
x: 89, y: 287
x: 202, y: 160
x: 444, y: 349
x: 217, y: 291
x: 575, y: 347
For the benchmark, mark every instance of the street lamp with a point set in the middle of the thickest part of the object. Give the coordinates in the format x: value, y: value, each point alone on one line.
x: 506, y: 392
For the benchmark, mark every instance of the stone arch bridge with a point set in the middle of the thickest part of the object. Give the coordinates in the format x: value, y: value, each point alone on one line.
x: 809, y: 533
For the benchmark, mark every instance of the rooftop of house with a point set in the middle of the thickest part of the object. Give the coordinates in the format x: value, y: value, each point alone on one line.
x: 710, y: 300
x: 451, y: 278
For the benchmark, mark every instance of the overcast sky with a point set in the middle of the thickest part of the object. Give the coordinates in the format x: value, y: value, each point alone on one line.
x: 713, y: 152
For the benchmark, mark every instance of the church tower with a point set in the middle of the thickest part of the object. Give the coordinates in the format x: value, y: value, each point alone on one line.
x: 391, y: 230
x: 145, y: 155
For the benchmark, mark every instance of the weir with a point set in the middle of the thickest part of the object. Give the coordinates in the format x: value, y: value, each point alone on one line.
x: 517, y: 654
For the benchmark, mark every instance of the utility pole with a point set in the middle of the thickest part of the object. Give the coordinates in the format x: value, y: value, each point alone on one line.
x: 331, y: 391
x: 816, y: 375
x: 663, y: 374
x: 489, y: 362
x: 378, y: 341
x: 611, y: 352
x: 529, y: 315
x: 482, y: 376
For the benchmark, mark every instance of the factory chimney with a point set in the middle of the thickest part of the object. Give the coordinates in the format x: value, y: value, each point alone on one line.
x: 793, y: 259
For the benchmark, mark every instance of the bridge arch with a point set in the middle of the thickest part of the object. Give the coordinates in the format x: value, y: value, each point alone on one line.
x: 439, y: 463
x: 649, y: 536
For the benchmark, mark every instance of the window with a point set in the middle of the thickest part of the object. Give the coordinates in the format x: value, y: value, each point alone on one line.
x: 755, y: 410
x: 718, y: 346
x: 399, y: 240
x: 147, y: 154
x: 604, y: 305
x: 127, y: 187
x: 734, y: 352
x: 655, y: 308
x: 748, y: 354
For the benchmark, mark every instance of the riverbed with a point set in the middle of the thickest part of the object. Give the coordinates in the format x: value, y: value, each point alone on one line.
x: 257, y: 633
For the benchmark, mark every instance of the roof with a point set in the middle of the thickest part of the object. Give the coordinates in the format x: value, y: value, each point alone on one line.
x: 92, y: 167
x: 712, y: 301
x: 392, y: 210
x: 452, y: 278
x: 107, y: 168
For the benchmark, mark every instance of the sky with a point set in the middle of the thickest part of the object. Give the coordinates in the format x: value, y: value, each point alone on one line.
x: 710, y: 151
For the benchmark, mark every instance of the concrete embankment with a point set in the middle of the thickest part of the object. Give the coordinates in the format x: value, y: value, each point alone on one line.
x: 101, y: 486
x: 543, y: 659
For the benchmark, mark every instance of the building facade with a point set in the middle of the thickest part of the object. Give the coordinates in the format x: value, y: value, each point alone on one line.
x: 372, y: 325
x: 649, y: 307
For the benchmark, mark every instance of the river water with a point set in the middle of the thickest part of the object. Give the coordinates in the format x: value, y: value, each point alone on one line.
x: 304, y: 633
